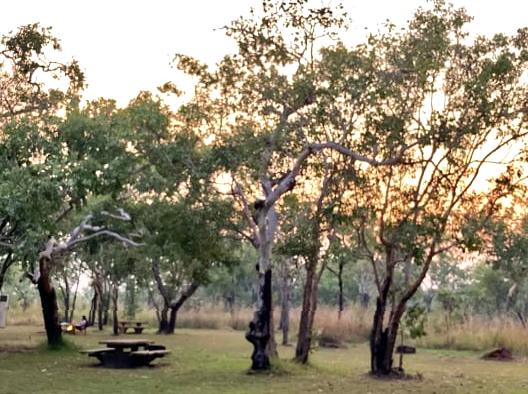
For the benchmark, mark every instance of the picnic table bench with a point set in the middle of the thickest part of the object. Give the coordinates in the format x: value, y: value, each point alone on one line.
x: 137, y: 326
x: 116, y: 354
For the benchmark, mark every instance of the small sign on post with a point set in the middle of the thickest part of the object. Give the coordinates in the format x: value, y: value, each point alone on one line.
x: 3, y: 310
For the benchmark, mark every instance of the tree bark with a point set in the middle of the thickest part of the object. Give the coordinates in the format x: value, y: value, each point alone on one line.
x: 171, y: 327
x: 8, y: 261
x: 99, y: 297
x: 383, y: 340
x: 74, y: 300
x: 164, y: 320
x: 48, y: 300
x: 65, y: 290
x: 175, y: 307
x: 93, y: 309
x: 115, y: 321
x: 271, y: 348
x: 259, y: 328
x: 313, y: 276
x: 341, y: 300
x: 163, y: 327
x: 304, y: 338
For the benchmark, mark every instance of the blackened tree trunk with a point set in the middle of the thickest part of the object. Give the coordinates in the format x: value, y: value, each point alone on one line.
x: 175, y: 307
x: 259, y: 328
x: 171, y: 327
x: 271, y: 348
x: 340, y: 298
x: 164, y: 320
x: 48, y: 300
x: 383, y: 340
x: 115, y: 321
x: 380, y: 359
x: 169, y: 311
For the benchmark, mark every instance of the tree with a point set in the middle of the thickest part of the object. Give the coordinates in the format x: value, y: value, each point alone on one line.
x: 258, y: 110
x: 185, y: 243
x: 462, y: 100
x: 28, y: 110
x: 51, y: 256
x: 184, y: 220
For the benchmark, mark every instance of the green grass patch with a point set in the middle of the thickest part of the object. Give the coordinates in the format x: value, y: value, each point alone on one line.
x: 217, y: 361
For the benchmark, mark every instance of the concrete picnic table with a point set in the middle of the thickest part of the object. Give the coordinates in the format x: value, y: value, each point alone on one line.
x: 121, y: 344
x: 138, y: 326
x: 116, y: 355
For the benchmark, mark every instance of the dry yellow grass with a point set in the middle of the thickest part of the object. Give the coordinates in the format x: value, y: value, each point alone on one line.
x: 475, y: 333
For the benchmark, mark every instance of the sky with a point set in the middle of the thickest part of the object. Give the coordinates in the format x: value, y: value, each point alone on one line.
x: 127, y: 46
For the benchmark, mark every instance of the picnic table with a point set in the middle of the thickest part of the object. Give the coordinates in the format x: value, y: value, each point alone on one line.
x: 137, y: 326
x: 126, y: 353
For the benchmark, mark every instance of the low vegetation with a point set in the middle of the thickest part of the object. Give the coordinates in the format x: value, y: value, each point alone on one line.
x: 216, y: 362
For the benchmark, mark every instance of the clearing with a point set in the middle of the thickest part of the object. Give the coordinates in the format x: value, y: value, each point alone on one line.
x: 216, y: 361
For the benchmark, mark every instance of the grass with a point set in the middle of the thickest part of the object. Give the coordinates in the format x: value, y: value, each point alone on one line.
x: 478, y: 334
x: 473, y: 333
x: 216, y: 361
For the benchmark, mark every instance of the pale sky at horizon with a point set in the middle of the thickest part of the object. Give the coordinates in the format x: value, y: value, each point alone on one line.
x: 127, y: 46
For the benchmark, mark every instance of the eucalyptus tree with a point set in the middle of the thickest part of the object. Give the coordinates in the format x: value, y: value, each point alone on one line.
x: 464, y: 101
x: 29, y: 104
x: 309, y: 226
x: 54, y: 156
x: 184, y: 245
x: 185, y: 222
x: 259, y: 109
x: 56, y: 250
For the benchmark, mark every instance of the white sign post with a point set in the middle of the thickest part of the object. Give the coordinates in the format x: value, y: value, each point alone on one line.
x: 3, y: 310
